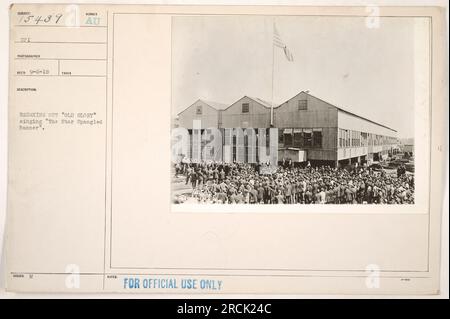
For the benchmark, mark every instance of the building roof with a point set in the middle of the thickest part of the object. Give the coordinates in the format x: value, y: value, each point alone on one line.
x: 342, y: 110
x: 261, y: 101
x: 366, y: 119
x: 256, y: 99
x: 215, y: 105
x: 221, y: 106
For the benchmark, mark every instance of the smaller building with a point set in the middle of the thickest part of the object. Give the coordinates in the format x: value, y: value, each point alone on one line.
x: 247, y: 112
x: 408, y: 149
x: 208, y: 112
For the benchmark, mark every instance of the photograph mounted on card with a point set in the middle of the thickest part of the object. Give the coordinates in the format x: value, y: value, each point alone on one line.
x: 225, y: 149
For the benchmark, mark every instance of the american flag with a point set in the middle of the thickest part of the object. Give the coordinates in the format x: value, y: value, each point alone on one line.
x: 278, y: 42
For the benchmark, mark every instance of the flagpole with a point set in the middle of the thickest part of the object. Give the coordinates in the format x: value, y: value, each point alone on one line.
x: 273, y: 70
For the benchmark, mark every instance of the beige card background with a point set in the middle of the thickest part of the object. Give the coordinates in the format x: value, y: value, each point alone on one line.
x: 98, y: 197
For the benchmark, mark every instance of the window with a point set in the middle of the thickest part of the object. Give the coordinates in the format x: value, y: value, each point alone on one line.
x: 288, y: 137
x: 363, y: 139
x: 245, y: 107
x: 347, y: 138
x: 298, y: 137
x: 355, y: 138
x: 317, y: 137
x: 280, y: 136
x: 234, y: 148
x: 302, y: 105
x: 246, y: 148
x: 307, y: 137
x: 198, y: 110
x: 339, y: 138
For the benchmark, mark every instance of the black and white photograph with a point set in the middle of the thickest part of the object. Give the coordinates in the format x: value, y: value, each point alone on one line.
x: 293, y: 109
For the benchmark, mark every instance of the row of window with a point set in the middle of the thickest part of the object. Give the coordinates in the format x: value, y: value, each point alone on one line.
x: 300, y: 137
x: 312, y: 137
x: 246, y: 151
x: 351, y: 138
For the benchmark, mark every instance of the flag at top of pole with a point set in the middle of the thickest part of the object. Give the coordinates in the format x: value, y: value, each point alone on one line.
x: 278, y: 42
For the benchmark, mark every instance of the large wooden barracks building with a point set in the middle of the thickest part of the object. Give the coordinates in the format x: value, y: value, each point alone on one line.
x: 309, y: 129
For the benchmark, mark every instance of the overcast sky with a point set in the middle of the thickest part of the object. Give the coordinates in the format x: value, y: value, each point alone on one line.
x: 369, y: 71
